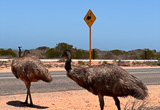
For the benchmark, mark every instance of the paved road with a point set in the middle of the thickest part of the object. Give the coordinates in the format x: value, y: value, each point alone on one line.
x: 9, y: 85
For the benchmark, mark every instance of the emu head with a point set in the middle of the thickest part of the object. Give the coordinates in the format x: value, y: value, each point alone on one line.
x: 67, y: 54
x: 26, y: 52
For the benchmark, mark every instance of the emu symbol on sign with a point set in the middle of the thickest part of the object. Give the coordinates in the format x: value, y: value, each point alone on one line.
x: 88, y: 17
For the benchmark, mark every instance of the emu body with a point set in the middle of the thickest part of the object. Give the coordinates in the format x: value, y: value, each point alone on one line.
x: 106, y: 80
x: 29, y: 69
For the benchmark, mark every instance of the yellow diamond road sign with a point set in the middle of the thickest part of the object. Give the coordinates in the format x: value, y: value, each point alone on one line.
x: 89, y: 18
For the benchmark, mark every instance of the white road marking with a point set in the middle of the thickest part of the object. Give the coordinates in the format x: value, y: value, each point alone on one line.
x: 15, y: 77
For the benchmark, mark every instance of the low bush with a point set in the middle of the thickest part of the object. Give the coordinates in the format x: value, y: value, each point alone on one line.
x: 8, y: 52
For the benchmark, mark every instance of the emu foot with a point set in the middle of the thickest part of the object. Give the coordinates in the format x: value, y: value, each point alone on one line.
x: 30, y: 105
x: 24, y: 103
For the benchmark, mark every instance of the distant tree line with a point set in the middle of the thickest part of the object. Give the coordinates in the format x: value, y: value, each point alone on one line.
x: 138, y: 54
x: 55, y: 52
x: 9, y: 53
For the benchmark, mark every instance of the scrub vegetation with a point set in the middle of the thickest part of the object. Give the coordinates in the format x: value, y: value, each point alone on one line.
x: 55, y: 52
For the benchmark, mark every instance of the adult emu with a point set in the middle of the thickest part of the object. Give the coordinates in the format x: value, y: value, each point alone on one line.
x: 106, y: 80
x: 29, y: 69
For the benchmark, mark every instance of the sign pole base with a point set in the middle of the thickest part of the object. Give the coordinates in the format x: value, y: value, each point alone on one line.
x: 90, y: 54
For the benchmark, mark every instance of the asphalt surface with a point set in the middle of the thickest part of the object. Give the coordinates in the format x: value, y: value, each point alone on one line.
x: 9, y: 85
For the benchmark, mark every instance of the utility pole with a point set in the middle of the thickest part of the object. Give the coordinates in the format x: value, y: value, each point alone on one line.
x: 19, y: 51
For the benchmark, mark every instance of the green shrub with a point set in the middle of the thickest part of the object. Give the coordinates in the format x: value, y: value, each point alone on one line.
x: 105, y: 62
x: 63, y: 46
x: 8, y: 52
x: 51, y: 53
x: 43, y: 48
x: 118, y: 52
x: 80, y: 54
x: 95, y: 54
x: 148, y: 54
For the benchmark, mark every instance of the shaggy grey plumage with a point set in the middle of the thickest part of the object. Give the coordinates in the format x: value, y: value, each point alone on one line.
x: 106, y: 80
x: 29, y: 69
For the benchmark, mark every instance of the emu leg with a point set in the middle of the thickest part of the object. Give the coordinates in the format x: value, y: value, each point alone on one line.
x: 31, y: 103
x: 117, y: 102
x: 29, y: 93
x: 28, y: 84
x: 101, y: 101
x: 26, y: 102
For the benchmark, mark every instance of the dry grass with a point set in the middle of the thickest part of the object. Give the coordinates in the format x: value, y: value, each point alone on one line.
x: 140, y: 105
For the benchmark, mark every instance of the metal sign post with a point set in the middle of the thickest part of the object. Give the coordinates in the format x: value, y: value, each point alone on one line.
x: 90, y: 53
x: 89, y: 19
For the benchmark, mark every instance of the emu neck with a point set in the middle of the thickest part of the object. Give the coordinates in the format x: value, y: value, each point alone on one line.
x: 68, y: 65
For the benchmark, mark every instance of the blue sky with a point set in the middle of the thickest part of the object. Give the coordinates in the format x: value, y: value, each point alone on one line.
x: 120, y: 24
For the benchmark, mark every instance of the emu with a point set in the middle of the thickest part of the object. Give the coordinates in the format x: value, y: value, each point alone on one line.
x: 29, y: 69
x: 106, y: 80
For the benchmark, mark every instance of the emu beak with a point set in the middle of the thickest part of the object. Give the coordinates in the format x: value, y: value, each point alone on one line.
x: 62, y: 56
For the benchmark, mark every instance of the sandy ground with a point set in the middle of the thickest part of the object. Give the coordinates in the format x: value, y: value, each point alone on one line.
x: 75, y: 100
x: 59, y: 66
